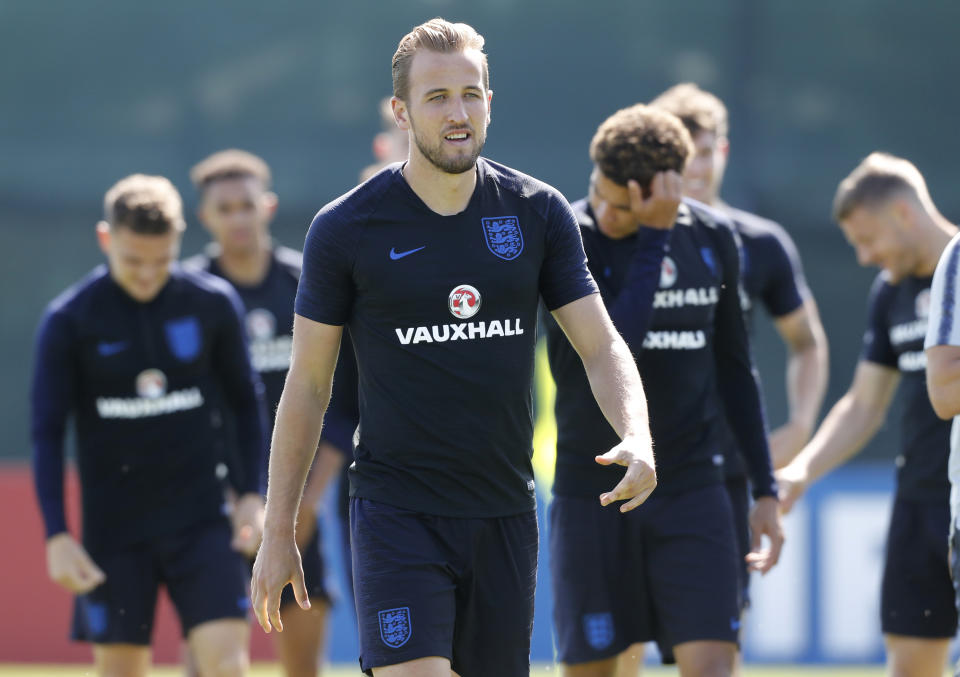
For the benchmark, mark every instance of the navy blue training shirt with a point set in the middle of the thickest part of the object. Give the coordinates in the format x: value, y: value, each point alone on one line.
x: 146, y: 384
x: 442, y: 311
x: 269, y: 327
x: 771, y: 274
x: 674, y: 297
x: 896, y: 328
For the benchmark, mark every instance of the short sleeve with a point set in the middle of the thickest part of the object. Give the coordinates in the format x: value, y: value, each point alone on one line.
x: 326, y: 290
x: 943, y: 324
x: 876, y: 339
x: 564, y: 276
x: 786, y: 286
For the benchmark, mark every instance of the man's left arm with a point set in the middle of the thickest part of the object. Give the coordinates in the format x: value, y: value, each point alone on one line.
x: 618, y: 390
x: 740, y: 393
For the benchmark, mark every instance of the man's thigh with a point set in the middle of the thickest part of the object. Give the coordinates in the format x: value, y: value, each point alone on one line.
x: 599, y: 579
x: 917, y: 598
x: 694, y: 573
x: 120, y: 610
x: 205, y: 578
x: 456, y: 589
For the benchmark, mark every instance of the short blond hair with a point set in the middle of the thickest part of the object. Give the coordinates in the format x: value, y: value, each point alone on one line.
x: 698, y: 110
x: 876, y: 180
x: 230, y: 164
x: 148, y: 205
x: 437, y: 35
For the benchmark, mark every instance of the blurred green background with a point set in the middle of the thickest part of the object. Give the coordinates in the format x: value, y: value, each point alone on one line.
x: 91, y: 91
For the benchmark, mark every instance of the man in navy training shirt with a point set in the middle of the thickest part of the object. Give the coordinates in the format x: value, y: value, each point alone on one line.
x: 236, y: 207
x: 771, y: 274
x: 149, y: 360
x: 886, y: 214
x: 437, y: 266
x: 669, y: 571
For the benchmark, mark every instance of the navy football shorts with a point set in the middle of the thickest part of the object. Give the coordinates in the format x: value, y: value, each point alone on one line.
x: 666, y: 571
x: 917, y: 598
x: 205, y: 578
x: 457, y: 588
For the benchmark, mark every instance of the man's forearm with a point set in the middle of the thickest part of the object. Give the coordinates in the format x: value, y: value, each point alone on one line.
x: 617, y: 387
x: 295, y: 438
x: 807, y: 375
x: 845, y: 430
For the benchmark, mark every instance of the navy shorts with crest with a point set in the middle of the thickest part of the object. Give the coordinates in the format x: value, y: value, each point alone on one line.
x: 459, y: 588
x: 666, y: 571
x: 205, y: 578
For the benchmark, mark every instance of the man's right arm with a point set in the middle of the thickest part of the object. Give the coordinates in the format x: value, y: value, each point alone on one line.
x: 305, y: 397
x: 851, y: 423
x: 52, y: 392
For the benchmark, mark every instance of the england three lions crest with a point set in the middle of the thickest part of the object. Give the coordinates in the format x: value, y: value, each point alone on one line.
x: 395, y: 627
x: 503, y: 236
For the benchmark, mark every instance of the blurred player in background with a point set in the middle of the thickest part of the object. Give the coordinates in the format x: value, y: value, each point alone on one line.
x: 437, y: 266
x: 771, y: 274
x: 148, y: 358
x: 390, y: 144
x: 887, y: 216
x: 236, y: 207
x: 668, y: 571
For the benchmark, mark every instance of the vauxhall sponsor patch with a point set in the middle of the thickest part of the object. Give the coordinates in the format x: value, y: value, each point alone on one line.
x: 463, y: 301
x: 153, y: 399
x: 395, y: 629
x: 503, y: 236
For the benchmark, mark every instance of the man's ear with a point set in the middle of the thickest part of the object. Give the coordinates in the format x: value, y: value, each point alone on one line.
x: 400, y: 114
x: 103, y: 236
x: 270, y: 202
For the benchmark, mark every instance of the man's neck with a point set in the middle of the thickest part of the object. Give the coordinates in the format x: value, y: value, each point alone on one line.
x: 444, y: 193
x: 247, y: 269
x: 938, y: 231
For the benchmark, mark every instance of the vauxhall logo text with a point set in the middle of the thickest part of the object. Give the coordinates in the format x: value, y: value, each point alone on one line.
x: 463, y: 302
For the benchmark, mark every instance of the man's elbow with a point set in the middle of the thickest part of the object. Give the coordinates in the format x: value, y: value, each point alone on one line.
x: 944, y: 406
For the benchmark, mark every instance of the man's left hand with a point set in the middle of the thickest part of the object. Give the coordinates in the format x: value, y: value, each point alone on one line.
x: 247, y: 520
x: 639, y: 480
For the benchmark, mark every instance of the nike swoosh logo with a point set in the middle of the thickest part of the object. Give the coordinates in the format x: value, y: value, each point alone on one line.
x: 395, y: 255
x: 108, y: 349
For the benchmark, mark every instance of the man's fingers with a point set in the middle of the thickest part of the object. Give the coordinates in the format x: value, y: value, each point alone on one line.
x: 300, y: 589
x: 636, y: 500
x: 273, y: 608
x: 618, y: 456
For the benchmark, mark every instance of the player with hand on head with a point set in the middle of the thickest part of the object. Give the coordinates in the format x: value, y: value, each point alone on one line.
x: 236, y: 207
x: 668, y: 271
x: 771, y: 274
x: 437, y: 267
x: 151, y: 361
x: 885, y: 211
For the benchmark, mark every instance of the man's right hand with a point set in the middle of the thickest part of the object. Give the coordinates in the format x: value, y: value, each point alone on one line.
x: 792, y: 481
x: 278, y: 563
x: 69, y: 565
x: 659, y: 210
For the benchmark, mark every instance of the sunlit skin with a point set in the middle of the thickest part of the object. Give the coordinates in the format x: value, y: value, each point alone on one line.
x: 447, y: 109
x: 881, y: 239
x: 237, y: 213
x: 139, y: 264
x: 704, y: 173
